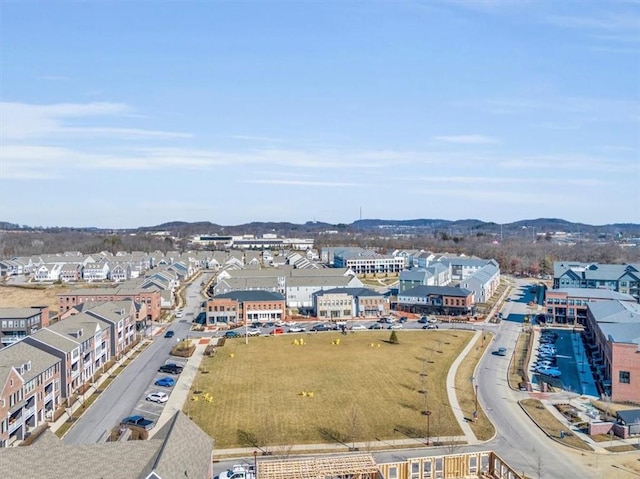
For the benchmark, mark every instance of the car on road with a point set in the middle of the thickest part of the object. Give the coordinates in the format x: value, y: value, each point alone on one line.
x: 253, y: 332
x: 423, y: 320
x: 166, y: 382
x: 358, y: 327
x: 375, y: 326
x: 138, y: 421
x: 430, y: 326
x: 501, y: 351
x: 232, y: 334
x: 296, y: 329
x: 386, y: 320
x: 275, y: 331
x: 158, y: 397
x: 171, y: 368
x: 320, y: 327
x: 395, y: 326
x: 169, y: 334
x: 402, y: 319
x: 178, y: 313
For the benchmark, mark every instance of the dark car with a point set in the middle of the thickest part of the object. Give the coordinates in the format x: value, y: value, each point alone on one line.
x: 403, y: 319
x: 169, y: 334
x: 376, y: 326
x: 320, y: 327
x: 269, y: 325
x: 138, y: 421
x: 430, y: 326
x: 231, y: 334
x: 170, y: 368
x: 423, y: 320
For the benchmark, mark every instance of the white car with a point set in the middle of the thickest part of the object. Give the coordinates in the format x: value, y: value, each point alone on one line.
x: 179, y: 313
x: 296, y: 329
x: 395, y: 326
x: 158, y: 397
x: 358, y: 327
x: 253, y: 332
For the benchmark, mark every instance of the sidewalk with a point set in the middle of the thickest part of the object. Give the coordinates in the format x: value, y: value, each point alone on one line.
x: 451, y: 391
x: 55, y: 425
x: 179, y: 397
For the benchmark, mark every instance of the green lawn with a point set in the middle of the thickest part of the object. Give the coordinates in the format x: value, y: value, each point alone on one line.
x: 360, y: 392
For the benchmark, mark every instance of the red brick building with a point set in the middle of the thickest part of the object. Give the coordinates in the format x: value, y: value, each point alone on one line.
x: 240, y: 307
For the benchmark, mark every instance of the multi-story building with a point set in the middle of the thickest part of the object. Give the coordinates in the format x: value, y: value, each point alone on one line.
x: 348, y: 303
x: 483, y: 283
x: 29, y: 390
x: 245, y: 307
x: 367, y: 262
x: 181, y: 450
x: 119, y: 315
x: 445, y: 300
x: 569, y: 305
x: 149, y: 299
x: 613, y: 329
x: 623, y: 278
x: 81, y: 342
x: 16, y: 323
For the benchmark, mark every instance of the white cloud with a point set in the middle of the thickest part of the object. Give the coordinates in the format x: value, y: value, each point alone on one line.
x: 21, y: 121
x: 468, y: 139
x: 337, y: 184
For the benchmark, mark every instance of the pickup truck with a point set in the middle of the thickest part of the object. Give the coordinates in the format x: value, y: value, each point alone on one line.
x: 138, y: 421
x: 240, y: 471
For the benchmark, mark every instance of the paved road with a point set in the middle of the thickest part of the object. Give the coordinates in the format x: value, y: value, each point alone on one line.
x: 518, y: 441
x: 126, y: 391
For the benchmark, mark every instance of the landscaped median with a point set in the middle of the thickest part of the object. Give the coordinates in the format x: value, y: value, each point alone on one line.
x: 328, y: 388
x: 550, y: 425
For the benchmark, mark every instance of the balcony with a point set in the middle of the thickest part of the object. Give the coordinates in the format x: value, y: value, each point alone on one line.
x: 15, y: 425
x: 27, y: 412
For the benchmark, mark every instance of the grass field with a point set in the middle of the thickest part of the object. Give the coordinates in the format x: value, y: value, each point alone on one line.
x: 363, y: 388
x: 31, y: 295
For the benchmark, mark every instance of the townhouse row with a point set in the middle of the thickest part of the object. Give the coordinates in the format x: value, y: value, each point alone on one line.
x: 48, y: 368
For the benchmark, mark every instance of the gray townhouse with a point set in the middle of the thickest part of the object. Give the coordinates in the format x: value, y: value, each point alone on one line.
x: 18, y: 323
x: 348, y: 303
x: 623, y: 278
x: 483, y: 283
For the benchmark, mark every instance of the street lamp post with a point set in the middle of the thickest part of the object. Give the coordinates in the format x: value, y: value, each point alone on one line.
x: 475, y: 412
x: 428, y: 414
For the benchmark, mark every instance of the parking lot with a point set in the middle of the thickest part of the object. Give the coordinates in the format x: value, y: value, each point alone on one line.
x: 152, y: 410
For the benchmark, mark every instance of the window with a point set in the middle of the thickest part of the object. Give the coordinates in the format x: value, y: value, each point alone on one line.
x: 625, y: 377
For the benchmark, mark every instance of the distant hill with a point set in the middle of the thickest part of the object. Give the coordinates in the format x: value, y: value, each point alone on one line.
x: 461, y: 227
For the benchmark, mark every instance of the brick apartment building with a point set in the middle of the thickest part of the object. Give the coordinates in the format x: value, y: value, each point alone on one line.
x: 29, y: 390
x: 237, y: 307
x: 569, y: 305
x: 148, y: 299
x: 613, y: 329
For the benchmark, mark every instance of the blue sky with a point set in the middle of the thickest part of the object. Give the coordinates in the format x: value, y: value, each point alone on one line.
x: 123, y: 114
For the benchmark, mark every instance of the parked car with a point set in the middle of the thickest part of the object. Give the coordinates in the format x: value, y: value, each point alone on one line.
x: 386, y: 320
x: 358, y: 327
x: 253, y: 332
x: 169, y: 334
x: 395, y: 326
x: 158, y: 397
x: 275, y: 331
x: 548, y: 371
x: 240, y: 471
x: 423, y: 320
x: 166, y: 382
x: 232, y: 334
x: 296, y: 329
x: 375, y: 326
x: 430, y: 326
x: 269, y: 325
x: 138, y: 421
x: 171, y: 368
x: 402, y: 319
x: 320, y: 327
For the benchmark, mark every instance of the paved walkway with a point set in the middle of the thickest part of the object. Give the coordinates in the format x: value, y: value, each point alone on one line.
x: 179, y: 396
x: 451, y: 391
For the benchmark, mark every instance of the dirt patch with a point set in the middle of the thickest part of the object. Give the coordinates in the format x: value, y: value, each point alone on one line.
x: 27, y: 296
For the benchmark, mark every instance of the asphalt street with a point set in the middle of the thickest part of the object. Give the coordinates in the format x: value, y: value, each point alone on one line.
x: 125, y: 395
